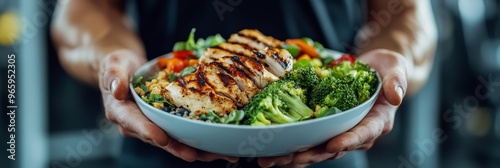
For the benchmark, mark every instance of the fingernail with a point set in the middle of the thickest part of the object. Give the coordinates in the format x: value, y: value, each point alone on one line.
x: 272, y: 164
x: 399, y: 90
x: 114, y: 84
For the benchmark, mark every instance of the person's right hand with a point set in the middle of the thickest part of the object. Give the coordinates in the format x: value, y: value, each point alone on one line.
x: 114, y: 73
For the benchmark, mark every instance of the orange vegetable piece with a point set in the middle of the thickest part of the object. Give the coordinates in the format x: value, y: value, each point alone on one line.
x: 304, y: 56
x: 304, y: 47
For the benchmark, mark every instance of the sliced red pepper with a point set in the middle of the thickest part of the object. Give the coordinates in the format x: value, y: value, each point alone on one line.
x: 345, y: 57
x: 184, y: 54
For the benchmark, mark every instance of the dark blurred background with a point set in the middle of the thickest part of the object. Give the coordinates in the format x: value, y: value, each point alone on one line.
x: 454, y: 121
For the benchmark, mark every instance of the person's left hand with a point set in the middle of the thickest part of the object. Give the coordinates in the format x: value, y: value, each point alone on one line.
x: 392, y: 67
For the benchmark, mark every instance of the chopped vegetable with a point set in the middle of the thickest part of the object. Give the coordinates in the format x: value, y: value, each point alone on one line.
x: 190, y: 44
x: 192, y: 62
x: 304, y: 56
x: 345, y: 57
x: 308, y: 40
x: 214, y: 40
x: 304, y: 47
x: 172, y: 64
x: 346, y: 87
x: 304, y: 75
x: 179, y: 46
x: 278, y: 103
x: 234, y: 118
x: 199, y: 46
x: 302, y: 63
x: 325, y: 111
x: 333, y: 92
x: 171, y: 77
x: 293, y: 49
x: 154, y: 98
x: 186, y: 71
x: 317, y: 62
x: 183, y: 54
x: 211, y: 116
x: 137, y: 81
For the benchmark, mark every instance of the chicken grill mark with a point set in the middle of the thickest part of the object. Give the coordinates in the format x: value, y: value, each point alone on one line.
x: 230, y: 74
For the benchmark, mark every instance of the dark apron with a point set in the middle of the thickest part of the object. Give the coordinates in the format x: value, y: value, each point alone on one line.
x: 161, y: 23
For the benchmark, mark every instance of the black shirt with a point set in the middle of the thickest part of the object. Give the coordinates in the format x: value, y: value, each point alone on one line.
x: 161, y: 23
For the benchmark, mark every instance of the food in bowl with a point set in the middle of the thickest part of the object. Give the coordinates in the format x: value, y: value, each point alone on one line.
x: 257, y: 80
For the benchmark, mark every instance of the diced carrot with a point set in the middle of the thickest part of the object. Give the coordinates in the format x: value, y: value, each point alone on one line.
x: 304, y: 47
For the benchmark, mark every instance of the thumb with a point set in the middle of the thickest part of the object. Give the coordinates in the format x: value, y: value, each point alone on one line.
x: 115, y: 70
x: 393, y: 68
x: 394, y: 85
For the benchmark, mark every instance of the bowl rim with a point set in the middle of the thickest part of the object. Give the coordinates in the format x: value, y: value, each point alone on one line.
x: 252, y: 127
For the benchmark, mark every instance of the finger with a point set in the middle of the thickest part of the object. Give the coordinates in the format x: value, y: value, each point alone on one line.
x: 273, y: 161
x: 208, y: 157
x: 313, y: 155
x: 338, y: 155
x: 293, y: 165
x: 129, y: 117
x: 394, y: 85
x: 115, y: 70
x: 393, y: 68
x: 366, y: 146
x: 367, y: 130
x: 181, y: 150
x: 126, y: 133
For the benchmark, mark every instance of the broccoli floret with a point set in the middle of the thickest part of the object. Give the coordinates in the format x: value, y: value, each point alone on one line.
x: 334, y: 92
x: 345, y: 68
x: 364, y: 84
x: 278, y: 103
x: 364, y: 79
x: 304, y: 76
x: 346, y: 87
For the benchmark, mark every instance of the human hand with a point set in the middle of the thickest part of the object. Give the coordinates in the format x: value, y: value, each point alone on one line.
x: 114, y: 73
x: 393, y: 70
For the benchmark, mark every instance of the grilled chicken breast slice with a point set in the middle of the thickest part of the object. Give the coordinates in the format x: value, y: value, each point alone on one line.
x: 223, y: 84
x: 255, y: 39
x: 245, y: 84
x: 192, y: 93
x: 277, y: 61
x: 280, y: 61
x: 252, y: 68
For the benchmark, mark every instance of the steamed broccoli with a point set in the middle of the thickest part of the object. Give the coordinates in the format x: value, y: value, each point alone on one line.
x: 334, y: 92
x: 364, y: 79
x: 364, y: 84
x: 346, y: 87
x: 280, y: 102
x: 304, y: 75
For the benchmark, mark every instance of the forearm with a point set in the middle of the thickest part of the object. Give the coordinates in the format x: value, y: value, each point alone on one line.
x: 410, y: 31
x: 85, y: 31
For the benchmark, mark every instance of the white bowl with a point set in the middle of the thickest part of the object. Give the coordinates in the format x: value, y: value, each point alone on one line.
x: 251, y: 141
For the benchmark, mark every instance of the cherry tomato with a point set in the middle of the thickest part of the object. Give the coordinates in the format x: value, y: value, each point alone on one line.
x: 184, y: 54
x: 345, y: 57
